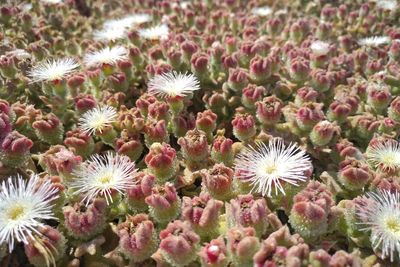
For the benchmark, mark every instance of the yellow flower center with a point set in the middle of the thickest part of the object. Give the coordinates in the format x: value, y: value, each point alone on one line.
x: 270, y: 169
x: 15, y: 212
x: 106, y: 179
x: 393, y: 225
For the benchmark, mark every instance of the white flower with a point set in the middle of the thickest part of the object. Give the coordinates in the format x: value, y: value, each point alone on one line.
x: 386, y: 4
x: 102, y: 175
x: 110, y: 34
x: 23, y: 207
x: 384, y: 155
x: 53, y: 70
x: 381, y: 216
x: 266, y: 166
x: 128, y: 21
x: 107, y: 55
x: 173, y: 84
x: 319, y: 48
x: 155, y: 33
x: 97, y: 118
x: 51, y: 1
x: 262, y: 11
x: 374, y: 41
x: 20, y: 54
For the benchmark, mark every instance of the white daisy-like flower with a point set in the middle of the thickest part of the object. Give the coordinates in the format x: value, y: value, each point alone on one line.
x: 268, y: 166
x: 374, y: 41
x: 20, y: 54
x: 155, y: 33
x: 102, y: 175
x: 106, y: 56
x: 53, y: 70
x: 110, y: 34
x: 384, y: 155
x: 387, y: 4
x: 97, y: 118
x: 51, y: 1
x: 381, y: 216
x: 24, y: 204
x: 262, y: 11
x: 128, y: 21
x: 173, y: 84
x: 319, y: 48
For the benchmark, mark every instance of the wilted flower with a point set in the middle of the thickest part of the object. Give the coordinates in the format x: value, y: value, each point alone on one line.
x: 269, y: 167
x: 103, y: 176
x: 24, y: 205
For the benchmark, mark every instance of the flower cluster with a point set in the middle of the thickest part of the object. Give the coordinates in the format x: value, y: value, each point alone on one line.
x: 200, y: 133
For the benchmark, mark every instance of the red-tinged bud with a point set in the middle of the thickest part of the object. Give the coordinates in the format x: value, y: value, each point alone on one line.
x: 59, y: 161
x: 373, y: 66
x: 161, y: 161
x: 218, y: 182
x: 118, y: 81
x: 5, y: 125
x: 15, y: 149
x: 274, y: 26
x: 207, y: 122
x: 84, y: 223
x: 174, y: 58
x: 299, y: 70
x: 394, y: 51
x: 214, y: 254
x: 338, y: 111
x: 242, y: 245
x: 252, y: 94
x: 246, y: 211
x: 394, y: 109
x: 159, y: 111
x: 155, y: 131
x: 157, y: 69
x: 237, y: 79
x: 309, y: 214
x: 94, y: 76
x: 50, y: 239
x: 143, y: 103
x: 130, y: 120
x: 7, y: 67
x: 321, y: 80
x: 378, y: 97
x: 346, y: 42
x: 49, y: 129
x: 199, y: 65
x: 297, y: 32
x: 189, y: 48
x: 261, y: 69
x: 182, y: 123
x: 269, y: 110
x: 202, y: 212
x: 215, y: 101
x: 138, y: 237
x: 354, y: 174
x: 364, y: 10
x: 305, y: 94
x: 194, y: 146
x: 137, y: 193
x: 74, y: 83
x: 309, y: 115
x: 360, y: 59
x: 323, y: 132
x: 324, y: 31
x: 164, y: 203
x: 179, y: 243
x: 79, y: 142
x: 129, y: 146
x: 244, y: 127
x: 346, y: 149
x: 229, y: 61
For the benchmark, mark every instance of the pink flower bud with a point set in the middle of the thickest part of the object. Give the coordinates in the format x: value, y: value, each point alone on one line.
x: 189, y: 48
x: 179, y: 243
x: 161, y: 161
x: 378, y: 98
x: 7, y: 67
x: 206, y: 121
x: 155, y: 131
x: 353, y: 174
x: 79, y: 142
x: 182, y: 123
x: 244, y: 127
x: 199, y: 63
x: 194, y: 146
x: 321, y: 80
x: 323, y: 132
x: 84, y: 103
x: 130, y: 121
x: 202, y: 212
x: 237, y: 79
x: 309, y: 115
x: 305, y: 94
x: 365, y: 126
x: 5, y: 126
x: 252, y: 94
x: 129, y: 145
x: 159, y: 111
x: 14, y: 150
x: 261, y: 69
x: 143, y: 103
x: 76, y: 80
x: 299, y: 69
x: 174, y: 58
x: 269, y: 110
x: 274, y: 26
x: 246, y: 211
x: 85, y: 222
x: 49, y: 240
x: 242, y: 245
x: 394, y: 109
x: 338, y: 111
x: 137, y: 194
x: 49, y: 129
x: 138, y: 240
x: 214, y: 254
x: 222, y: 150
